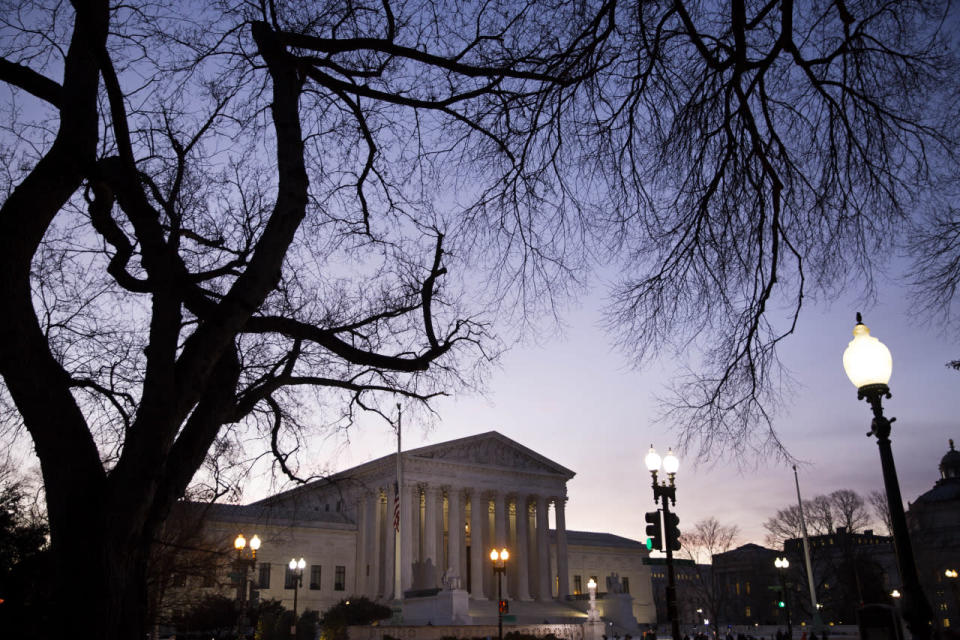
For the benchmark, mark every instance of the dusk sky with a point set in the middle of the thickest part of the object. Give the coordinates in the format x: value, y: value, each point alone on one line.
x: 576, y: 401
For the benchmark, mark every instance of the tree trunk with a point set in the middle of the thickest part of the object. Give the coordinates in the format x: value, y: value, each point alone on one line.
x: 99, y: 578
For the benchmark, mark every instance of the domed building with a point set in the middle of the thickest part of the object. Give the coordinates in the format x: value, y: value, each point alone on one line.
x: 934, y: 521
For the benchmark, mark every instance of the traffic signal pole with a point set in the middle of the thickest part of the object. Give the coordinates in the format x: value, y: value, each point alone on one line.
x: 671, y: 576
x: 666, y: 494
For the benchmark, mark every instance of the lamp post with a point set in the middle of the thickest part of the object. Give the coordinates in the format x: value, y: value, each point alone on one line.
x: 782, y: 564
x: 296, y: 566
x: 868, y: 364
x: 499, y: 559
x: 242, y: 566
x: 665, y: 493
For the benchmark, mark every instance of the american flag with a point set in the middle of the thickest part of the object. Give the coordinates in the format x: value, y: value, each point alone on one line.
x: 396, y: 507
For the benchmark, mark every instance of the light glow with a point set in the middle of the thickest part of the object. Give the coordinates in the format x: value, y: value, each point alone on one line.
x: 652, y: 460
x: 670, y: 462
x: 866, y: 360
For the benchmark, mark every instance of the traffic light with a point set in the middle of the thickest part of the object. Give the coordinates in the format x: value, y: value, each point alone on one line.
x: 673, y: 533
x: 654, y: 533
x: 504, y: 606
x: 781, y: 604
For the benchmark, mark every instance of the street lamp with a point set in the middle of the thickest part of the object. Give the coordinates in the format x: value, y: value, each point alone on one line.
x: 666, y: 494
x: 242, y: 567
x: 782, y: 564
x: 868, y: 364
x: 296, y: 566
x: 499, y: 559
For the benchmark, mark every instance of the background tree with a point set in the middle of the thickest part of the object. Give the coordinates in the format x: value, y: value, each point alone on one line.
x: 823, y: 514
x: 881, y: 509
x: 23, y: 557
x: 708, y: 538
x: 850, y: 510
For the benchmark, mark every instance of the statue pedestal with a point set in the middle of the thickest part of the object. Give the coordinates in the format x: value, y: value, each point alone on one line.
x: 447, y: 607
x: 593, y: 630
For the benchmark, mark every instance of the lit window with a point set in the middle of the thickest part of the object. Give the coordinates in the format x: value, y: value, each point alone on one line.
x: 747, y: 612
x: 577, y: 585
x: 747, y: 587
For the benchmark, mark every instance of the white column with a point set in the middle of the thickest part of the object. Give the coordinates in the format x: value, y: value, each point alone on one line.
x: 454, y: 531
x: 431, y: 497
x: 389, y: 549
x: 478, y: 511
x: 523, y: 549
x: 409, y: 535
x: 500, y: 516
x: 564, y: 589
x: 544, y: 592
x: 373, y: 544
x: 360, y: 580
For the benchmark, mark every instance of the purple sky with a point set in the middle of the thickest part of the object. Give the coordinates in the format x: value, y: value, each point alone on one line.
x: 574, y: 400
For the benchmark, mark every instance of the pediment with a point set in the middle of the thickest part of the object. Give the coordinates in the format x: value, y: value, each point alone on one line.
x: 491, y: 450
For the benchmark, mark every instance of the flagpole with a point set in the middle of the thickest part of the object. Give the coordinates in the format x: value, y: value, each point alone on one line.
x: 398, y: 594
x: 817, y: 623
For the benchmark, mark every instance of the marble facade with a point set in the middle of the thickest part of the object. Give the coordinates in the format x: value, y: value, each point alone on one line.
x: 459, y: 499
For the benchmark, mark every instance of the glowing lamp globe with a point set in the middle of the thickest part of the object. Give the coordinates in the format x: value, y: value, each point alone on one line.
x: 652, y: 460
x: 670, y: 462
x: 867, y: 361
x: 240, y: 542
x: 255, y: 542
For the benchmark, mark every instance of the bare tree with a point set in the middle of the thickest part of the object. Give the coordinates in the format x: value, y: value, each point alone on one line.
x: 820, y: 513
x: 881, y: 509
x: 850, y: 510
x: 766, y: 155
x: 230, y: 224
x: 707, y: 539
x: 785, y: 525
x: 823, y: 513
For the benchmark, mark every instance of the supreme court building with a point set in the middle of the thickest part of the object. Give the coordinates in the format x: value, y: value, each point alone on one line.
x: 458, y: 500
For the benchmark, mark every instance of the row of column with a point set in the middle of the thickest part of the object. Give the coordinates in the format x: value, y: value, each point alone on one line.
x: 432, y: 544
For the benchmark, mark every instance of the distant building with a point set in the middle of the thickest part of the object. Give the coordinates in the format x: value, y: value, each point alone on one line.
x: 850, y: 569
x: 934, y: 521
x: 690, y: 579
x: 749, y: 583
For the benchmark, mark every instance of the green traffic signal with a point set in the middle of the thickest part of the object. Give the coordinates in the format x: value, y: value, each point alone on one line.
x: 781, y: 604
x: 654, y: 532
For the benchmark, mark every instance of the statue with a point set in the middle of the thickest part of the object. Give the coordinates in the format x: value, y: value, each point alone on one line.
x: 450, y: 579
x: 613, y: 583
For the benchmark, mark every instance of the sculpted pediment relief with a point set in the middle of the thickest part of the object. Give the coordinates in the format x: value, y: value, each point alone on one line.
x: 490, y: 452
